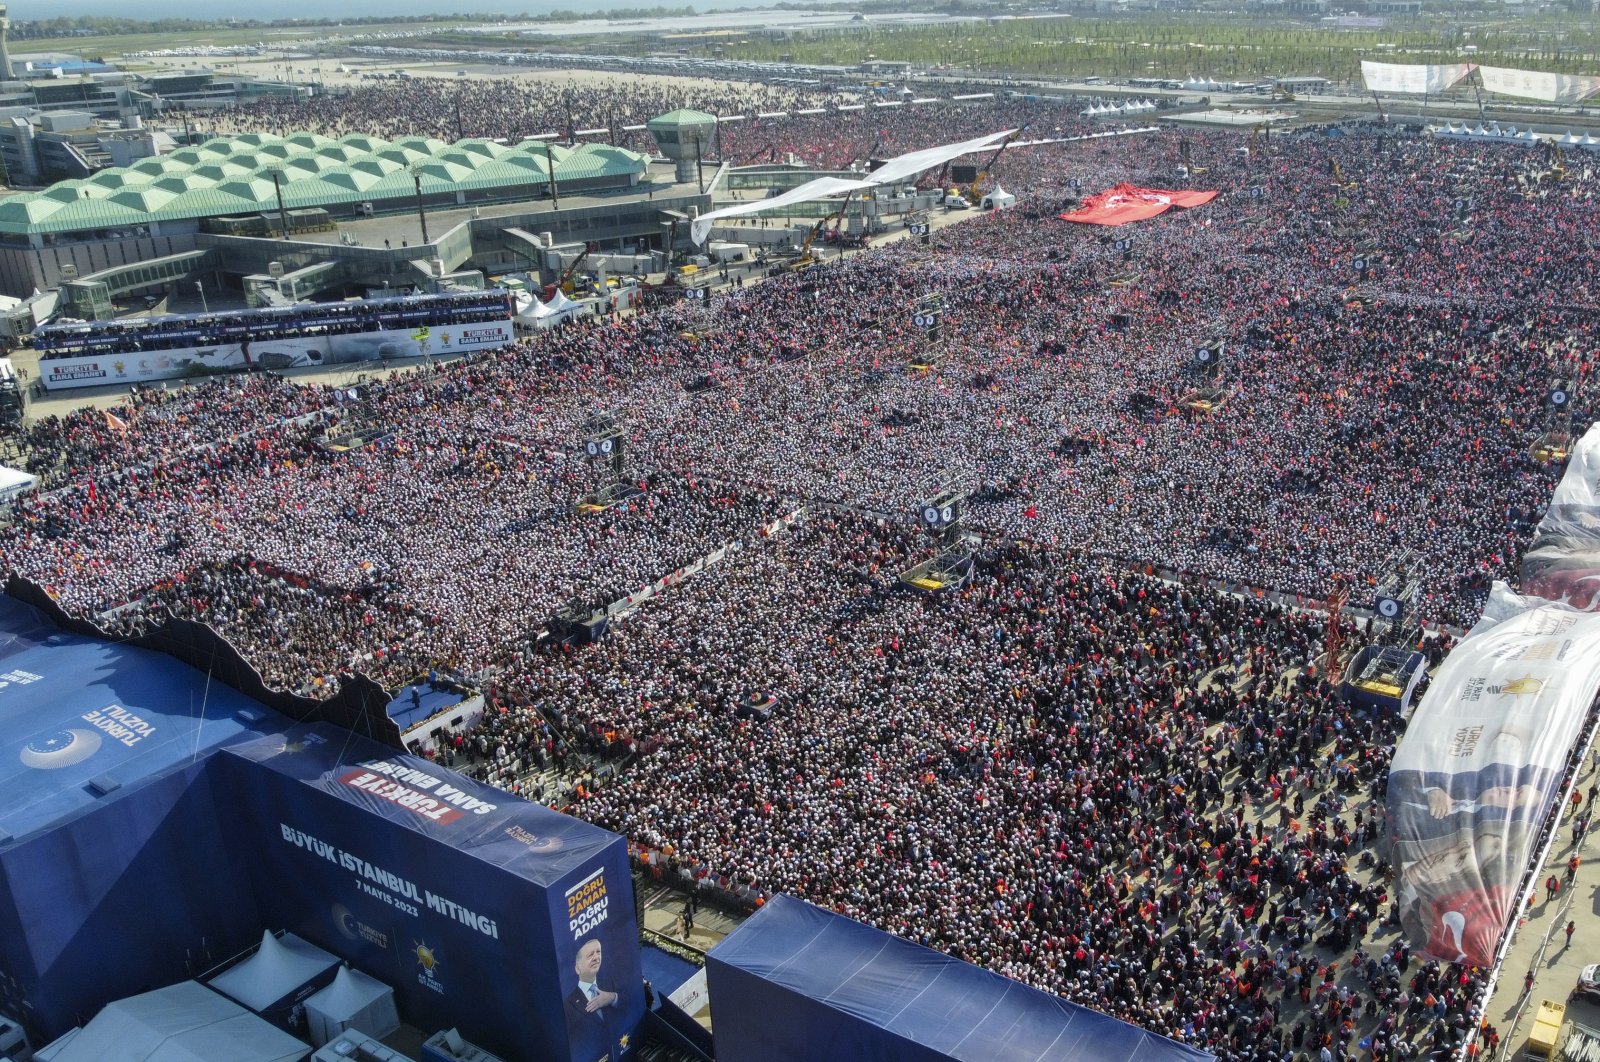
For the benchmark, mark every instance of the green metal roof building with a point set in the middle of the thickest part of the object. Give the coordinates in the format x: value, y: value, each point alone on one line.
x: 173, y: 193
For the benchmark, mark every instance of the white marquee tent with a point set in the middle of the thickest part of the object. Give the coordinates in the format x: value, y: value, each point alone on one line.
x: 279, y: 967
x: 186, y: 1022
x: 14, y: 482
x: 352, y: 1001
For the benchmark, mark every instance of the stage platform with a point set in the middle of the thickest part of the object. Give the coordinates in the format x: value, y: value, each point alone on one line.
x: 83, y: 719
x: 408, y: 712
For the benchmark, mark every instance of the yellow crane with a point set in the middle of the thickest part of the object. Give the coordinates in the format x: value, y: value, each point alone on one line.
x: 973, y: 193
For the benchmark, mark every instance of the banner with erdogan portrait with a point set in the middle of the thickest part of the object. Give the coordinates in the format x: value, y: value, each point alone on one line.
x: 1481, y: 765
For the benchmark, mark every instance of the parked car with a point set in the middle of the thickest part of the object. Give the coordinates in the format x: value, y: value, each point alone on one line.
x: 1588, y: 986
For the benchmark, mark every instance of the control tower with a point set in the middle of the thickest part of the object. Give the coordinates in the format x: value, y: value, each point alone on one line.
x: 684, y: 136
x: 5, y: 52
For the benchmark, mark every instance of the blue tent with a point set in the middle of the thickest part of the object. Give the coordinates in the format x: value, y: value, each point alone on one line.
x: 796, y: 982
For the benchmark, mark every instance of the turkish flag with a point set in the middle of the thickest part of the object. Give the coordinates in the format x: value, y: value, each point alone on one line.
x: 1465, y: 926
x: 1127, y: 203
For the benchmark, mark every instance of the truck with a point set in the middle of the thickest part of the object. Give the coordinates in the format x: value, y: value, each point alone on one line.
x: 1554, y: 1038
x: 1546, y: 1032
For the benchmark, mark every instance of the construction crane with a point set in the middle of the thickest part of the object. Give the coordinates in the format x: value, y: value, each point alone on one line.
x: 1185, y: 148
x: 805, y: 258
x: 565, y: 283
x: 836, y: 217
x: 983, y: 171
x: 1338, y: 175
x: 1255, y: 140
x: 1333, y: 640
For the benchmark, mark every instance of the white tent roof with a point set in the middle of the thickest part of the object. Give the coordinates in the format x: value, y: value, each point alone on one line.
x: 561, y: 304
x: 14, y: 481
x: 278, y: 967
x: 894, y: 171
x: 821, y: 188
x: 353, y: 1000
x: 184, y: 1023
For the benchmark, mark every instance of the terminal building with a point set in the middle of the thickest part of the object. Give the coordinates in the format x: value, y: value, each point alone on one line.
x: 319, y: 214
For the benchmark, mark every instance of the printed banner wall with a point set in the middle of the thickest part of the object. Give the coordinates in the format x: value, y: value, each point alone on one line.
x: 1538, y: 85
x: 144, y: 366
x: 137, y: 892
x: 1563, y: 560
x: 483, y: 911
x: 1479, y: 766
x: 1416, y: 79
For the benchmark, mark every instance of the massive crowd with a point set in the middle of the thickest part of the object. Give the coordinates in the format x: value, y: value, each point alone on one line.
x: 1113, y: 787
x: 1011, y: 772
x: 886, y: 122
x: 506, y: 107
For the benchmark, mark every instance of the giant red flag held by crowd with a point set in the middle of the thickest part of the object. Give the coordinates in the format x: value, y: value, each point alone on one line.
x: 1127, y: 203
x: 1480, y: 768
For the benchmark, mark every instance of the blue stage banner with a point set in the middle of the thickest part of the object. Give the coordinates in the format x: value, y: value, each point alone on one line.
x: 468, y: 900
x: 795, y: 983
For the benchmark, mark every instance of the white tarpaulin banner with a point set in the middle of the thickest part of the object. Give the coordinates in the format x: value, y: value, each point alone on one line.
x: 891, y: 172
x: 1538, y: 85
x: 821, y: 188
x: 1413, y: 78
x: 1562, y: 562
x: 1479, y: 767
x: 912, y: 163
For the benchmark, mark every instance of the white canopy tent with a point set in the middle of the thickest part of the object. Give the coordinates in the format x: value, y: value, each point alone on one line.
x: 352, y: 1001
x: 186, y: 1022
x: 893, y: 171
x: 278, y: 968
x: 532, y: 313
x: 14, y: 483
x: 998, y: 199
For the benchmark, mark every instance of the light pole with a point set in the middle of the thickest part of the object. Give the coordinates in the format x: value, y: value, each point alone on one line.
x: 422, y: 216
x: 276, y: 173
x: 201, y: 288
x: 550, y: 164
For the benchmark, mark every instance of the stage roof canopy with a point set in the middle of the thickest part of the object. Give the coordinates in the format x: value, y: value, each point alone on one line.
x: 81, y: 720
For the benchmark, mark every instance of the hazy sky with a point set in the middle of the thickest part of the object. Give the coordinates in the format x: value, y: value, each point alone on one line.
x: 206, y: 9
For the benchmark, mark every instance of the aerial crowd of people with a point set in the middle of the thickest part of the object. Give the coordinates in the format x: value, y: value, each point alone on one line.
x: 1108, y: 766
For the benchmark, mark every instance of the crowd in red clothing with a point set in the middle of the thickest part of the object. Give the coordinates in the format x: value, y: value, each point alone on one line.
x: 1134, y: 792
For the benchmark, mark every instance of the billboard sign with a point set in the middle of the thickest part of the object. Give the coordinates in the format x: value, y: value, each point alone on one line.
x: 292, y: 352
x: 482, y: 910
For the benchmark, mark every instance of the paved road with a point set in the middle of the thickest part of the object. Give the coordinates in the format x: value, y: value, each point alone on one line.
x: 1540, y: 944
